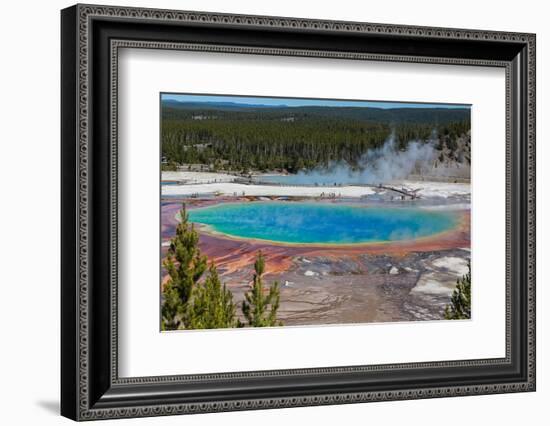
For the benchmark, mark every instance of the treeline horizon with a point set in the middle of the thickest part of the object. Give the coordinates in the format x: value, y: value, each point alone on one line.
x: 294, y: 138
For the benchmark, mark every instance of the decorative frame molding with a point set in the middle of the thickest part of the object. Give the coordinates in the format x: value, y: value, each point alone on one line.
x: 91, y: 388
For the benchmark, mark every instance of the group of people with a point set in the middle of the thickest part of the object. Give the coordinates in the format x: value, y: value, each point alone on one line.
x: 331, y: 195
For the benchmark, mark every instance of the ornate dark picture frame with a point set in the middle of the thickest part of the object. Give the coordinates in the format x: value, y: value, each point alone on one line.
x: 90, y: 386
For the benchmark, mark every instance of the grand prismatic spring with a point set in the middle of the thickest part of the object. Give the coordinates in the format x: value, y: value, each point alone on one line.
x: 361, y: 210
x: 316, y: 223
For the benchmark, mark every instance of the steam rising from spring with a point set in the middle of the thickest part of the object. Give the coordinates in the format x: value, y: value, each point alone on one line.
x: 380, y: 165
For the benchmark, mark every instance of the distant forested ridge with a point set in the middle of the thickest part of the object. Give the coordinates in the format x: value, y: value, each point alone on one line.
x: 256, y: 137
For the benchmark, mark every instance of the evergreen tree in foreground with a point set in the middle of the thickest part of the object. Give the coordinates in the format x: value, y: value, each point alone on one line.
x: 261, y: 310
x: 185, y: 266
x: 195, y: 298
x: 460, y: 306
x: 211, y: 305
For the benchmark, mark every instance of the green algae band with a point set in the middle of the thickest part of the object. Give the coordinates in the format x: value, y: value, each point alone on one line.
x: 317, y: 223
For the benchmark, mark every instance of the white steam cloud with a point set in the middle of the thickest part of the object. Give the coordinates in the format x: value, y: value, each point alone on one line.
x: 380, y: 165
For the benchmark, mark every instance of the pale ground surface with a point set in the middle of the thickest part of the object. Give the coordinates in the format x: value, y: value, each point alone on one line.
x: 197, y: 177
x: 220, y: 184
x: 360, y: 289
x: 441, y: 275
x: 438, y: 189
x: 263, y: 190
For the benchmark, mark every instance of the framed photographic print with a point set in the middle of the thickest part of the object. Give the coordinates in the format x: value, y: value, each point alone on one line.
x: 263, y: 212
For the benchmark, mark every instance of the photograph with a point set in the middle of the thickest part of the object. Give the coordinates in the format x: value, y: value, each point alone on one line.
x: 272, y: 208
x: 281, y: 211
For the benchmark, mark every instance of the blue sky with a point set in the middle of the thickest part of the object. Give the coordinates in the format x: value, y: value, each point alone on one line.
x: 291, y: 102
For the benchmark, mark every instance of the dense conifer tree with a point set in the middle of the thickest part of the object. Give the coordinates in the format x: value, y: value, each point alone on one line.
x: 284, y: 138
x: 185, y: 265
x: 460, y: 306
x: 195, y: 300
x: 260, y: 309
x: 211, y: 305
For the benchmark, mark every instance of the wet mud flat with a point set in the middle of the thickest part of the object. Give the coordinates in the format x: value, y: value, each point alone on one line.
x: 362, y: 289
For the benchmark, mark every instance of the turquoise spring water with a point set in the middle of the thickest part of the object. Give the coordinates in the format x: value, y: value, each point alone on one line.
x: 316, y: 223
